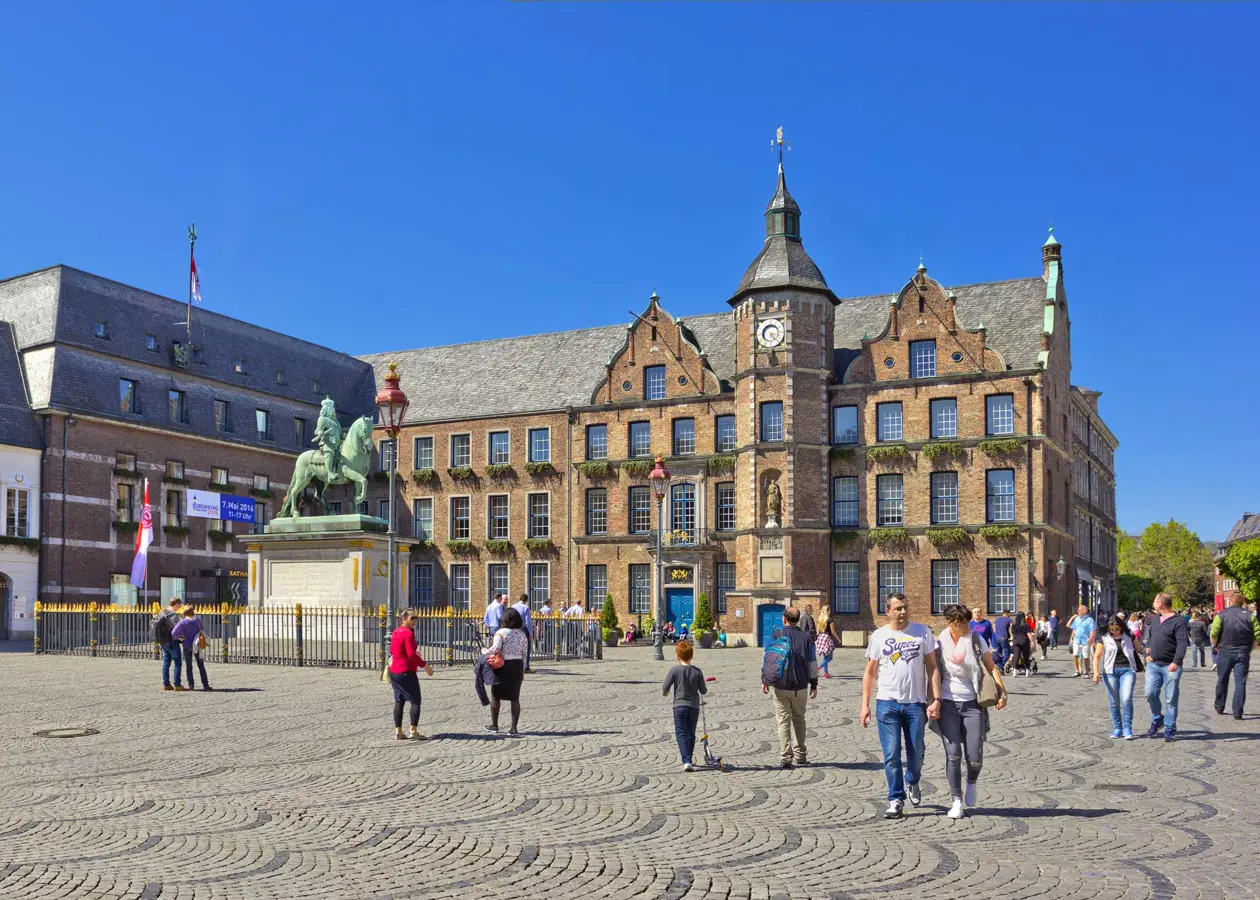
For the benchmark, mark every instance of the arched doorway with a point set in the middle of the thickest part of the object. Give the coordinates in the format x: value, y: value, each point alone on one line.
x: 6, y: 605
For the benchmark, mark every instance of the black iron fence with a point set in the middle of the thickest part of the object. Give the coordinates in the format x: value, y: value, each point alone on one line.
x: 298, y: 636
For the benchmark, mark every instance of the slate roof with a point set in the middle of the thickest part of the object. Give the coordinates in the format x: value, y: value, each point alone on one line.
x: 53, y: 313
x: 530, y: 374
x: 1244, y: 529
x: 1013, y: 313
x: 17, y: 425
x: 782, y: 263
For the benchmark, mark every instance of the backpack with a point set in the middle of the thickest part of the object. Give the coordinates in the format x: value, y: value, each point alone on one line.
x: 777, y: 666
x: 160, y: 629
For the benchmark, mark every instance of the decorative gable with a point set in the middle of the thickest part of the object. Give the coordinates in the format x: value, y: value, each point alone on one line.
x: 657, y: 346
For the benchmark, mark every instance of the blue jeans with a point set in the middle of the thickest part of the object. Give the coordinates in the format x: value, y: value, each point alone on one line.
x: 1237, y: 663
x: 825, y: 661
x: 1054, y: 638
x: 1003, y: 652
x: 1163, y: 688
x: 685, y: 718
x: 896, y: 719
x: 1120, y: 698
x: 172, y: 655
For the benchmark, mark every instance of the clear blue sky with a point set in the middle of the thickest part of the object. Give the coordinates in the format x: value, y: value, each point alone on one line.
x: 449, y: 172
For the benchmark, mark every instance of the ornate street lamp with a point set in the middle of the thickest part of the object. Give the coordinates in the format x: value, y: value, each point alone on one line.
x: 391, y: 407
x: 659, y: 479
x: 1061, y: 566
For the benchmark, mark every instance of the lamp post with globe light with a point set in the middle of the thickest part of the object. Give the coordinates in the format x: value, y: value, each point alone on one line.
x: 659, y: 479
x: 391, y: 407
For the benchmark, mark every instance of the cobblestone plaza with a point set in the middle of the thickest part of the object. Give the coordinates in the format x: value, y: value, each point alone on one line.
x: 287, y: 783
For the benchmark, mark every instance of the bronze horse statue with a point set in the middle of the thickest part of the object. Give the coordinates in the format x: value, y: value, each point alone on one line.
x: 356, y: 457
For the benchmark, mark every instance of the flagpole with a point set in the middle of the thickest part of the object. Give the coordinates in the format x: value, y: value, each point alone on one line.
x: 145, y: 600
x: 192, y: 239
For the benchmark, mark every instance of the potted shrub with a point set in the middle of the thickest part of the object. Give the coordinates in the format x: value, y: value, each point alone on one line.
x: 608, y: 622
x: 703, y: 624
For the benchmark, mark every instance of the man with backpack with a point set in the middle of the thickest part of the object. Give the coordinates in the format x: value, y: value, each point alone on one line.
x: 160, y: 630
x: 790, y: 666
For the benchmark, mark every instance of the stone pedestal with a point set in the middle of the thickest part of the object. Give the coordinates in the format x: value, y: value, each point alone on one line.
x: 323, y: 562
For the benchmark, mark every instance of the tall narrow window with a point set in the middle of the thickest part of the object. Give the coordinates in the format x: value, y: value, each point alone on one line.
x: 684, y: 437
x: 999, y: 414
x: 423, y: 453
x: 891, y: 501
x: 725, y: 519
x: 222, y: 416
x: 422, y: 579
x: 539, y: 445
x: 126, y: 502
x: 597, y: 511
x: 299, y: 431
x: 539, y: 515
x: 724, y: 434
x: 922, y: 359
x: 262, y: 419
x: 640, y: 510
x: 844, y: 425
x: 892, y: 580
x: 422, y: 518
x: 640, y: 439
x: 596, y: 441
x: 945, y: 589
x: 725, y: 582
x: 461, y: 451
x: 889, y: 422
x: 17, y: 517
x: 127, y: 401
x: 461, y: 522
x: 596, y: 586
x: 640, y: 588
x: 844, y: 501
x: 388, y: 461
x: 944, y: 498
x: 846, y: 586
x: 1000, y: 495
x: 539, y: 584
x: 174, y: 511
x: 497, y: 517
x: 682, y: 505
x: 772, y: 420
x: 178, y: 407
x: 496, y: 580
x: 500, y: 448
x: 944, y: 415
x: 461, y: 586
x: 654, y: 383
x: 1001, y: 574
x: 261, y: 518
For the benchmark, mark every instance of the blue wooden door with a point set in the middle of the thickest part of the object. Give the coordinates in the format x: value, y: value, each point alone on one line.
x: 769, y: 623
x: 681, y: 609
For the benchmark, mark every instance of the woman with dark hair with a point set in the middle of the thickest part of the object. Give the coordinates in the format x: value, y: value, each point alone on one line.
x: 1116, y: 660
x: 964, y: 660
x: 404, y: 662
x: 1021, y: 644
x: 510, y: 643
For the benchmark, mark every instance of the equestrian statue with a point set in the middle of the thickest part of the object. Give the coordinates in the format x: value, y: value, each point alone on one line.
x: 334, y: 461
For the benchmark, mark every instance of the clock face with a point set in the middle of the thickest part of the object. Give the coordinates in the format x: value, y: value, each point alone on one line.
x: 770, y: 332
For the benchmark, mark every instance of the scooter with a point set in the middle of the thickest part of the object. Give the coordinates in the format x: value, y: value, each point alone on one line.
x: 711, y: 761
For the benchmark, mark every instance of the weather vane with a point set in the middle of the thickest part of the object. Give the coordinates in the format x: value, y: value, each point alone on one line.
x: 777, y: 143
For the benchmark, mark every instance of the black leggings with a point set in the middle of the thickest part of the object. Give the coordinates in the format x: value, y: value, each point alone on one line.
x: 398, y: 711
x: 1022, y: 654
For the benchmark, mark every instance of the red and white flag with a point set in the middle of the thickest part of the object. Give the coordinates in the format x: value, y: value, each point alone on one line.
x: 194, y: 283
x: 144, y: 536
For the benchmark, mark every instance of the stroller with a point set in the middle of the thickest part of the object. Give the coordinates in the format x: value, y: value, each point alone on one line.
x: 1009, y: 668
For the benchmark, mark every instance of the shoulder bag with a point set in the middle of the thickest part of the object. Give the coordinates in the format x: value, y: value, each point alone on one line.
x: 988, y: 694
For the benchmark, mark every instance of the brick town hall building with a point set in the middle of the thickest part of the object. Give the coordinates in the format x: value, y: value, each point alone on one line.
x: 821, y: 450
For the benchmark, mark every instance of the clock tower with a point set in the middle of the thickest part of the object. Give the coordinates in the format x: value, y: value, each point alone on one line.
x: 783, y: 319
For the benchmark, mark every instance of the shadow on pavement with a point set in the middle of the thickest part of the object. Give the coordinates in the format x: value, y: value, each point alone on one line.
x: 1039, y: 813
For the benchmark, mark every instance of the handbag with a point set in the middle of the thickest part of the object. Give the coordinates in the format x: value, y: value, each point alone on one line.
x: 495, y: 660
x: 988, y: 694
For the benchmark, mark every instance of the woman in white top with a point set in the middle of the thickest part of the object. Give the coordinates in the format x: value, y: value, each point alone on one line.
x: 1116, y: 659
x: 963, y: 721
x: 510, y: 641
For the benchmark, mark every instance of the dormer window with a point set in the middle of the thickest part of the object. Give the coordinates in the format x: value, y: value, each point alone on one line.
x: 151, y: 343
x: 279, y: 376
x: 101, y: 329
x: 238, y: 365
x: 315, y: 385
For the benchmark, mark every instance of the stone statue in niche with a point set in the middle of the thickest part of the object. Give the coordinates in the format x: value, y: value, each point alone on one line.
x: 774, y: 504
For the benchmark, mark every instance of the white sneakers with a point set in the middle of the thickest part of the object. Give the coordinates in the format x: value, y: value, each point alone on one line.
x: 969, y: 796
x: 912, y: 791
x: 894, y: 809
x: 687, y: 767
x: 956, y: 810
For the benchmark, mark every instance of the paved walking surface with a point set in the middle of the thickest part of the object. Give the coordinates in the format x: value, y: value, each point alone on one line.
x: 290, y: 785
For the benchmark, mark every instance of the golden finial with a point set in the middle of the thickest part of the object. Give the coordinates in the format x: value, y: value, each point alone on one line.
x: 778, y: 143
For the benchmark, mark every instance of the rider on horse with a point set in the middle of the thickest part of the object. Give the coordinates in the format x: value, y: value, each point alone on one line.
x: 328, y: 438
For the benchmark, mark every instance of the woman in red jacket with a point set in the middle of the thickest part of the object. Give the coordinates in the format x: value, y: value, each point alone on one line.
x: 404, y: 662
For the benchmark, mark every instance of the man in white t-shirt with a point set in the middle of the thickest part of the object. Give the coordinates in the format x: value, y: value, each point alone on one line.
x: 900, y: 662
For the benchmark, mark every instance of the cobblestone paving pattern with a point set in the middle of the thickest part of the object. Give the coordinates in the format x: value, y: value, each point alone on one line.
x: 290, y: 785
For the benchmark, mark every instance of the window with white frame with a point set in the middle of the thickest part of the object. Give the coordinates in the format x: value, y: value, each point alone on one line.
x: 944, y: 416
x: 262, y: 420
x: 640, y: 510
x: 654, y: 383
x: 889, y: 422
x: 596, y: 586
x: 17, y: 513
x: 218, y: 476
x: 423, y: 453
x: 461, y: 451
x: 684, y: 437
x: 944, y: 487
x: 725, y: 495
x: 597, y: 511
x: 844, y: 501
x: 496, y: 580
x: 682, y: 505
x: 461, y: 518
x: 845, y: 587
x: 121, y: 591
x: 388, y: 457
x: 922, y: 359
x: 539, y: 515
x: 890, y: 498
x: 640, y: 588
x: 945, y: 584
x: 497, y: 517
x: 1001, y: 574
x: 999, y: 414
x: 844, y: 425
x: 540, y: 445
x: 500, y: 448
x: 725, y: 583
x: 999, y: 495
x: 772, y: 421
x: 461, y: 586
x: 597, y: 442
x: 539, y: 584
x: 422, y: 585
x: 640, y: 437
x: 422, y: 518
x: 892, y: 580
x: 724, y: 434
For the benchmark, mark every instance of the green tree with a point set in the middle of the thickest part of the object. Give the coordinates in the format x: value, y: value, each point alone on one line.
x: 1173, y: 558
x: 608, y: 615
x: 1135, y: 593
x: 1242, y: 563
x: 704, y: 615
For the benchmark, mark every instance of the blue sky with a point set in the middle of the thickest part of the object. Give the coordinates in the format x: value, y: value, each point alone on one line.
x: 439, y: 173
